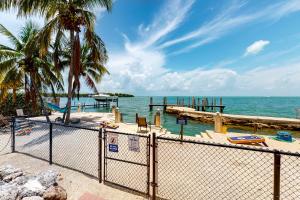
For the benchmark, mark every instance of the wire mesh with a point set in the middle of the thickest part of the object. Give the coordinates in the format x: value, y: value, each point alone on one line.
x: 290, y: 177
x: 32, y: 137
x: 76, y: 148
x: 195, y: 171
x: 125, y: 167
x: 5, y: 139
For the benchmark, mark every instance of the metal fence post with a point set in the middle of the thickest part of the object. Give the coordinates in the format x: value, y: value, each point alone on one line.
x: 154, y: 166
x: 100, y: 155
x: 277, y: 164
x: 13, y: 135
x: 50, y: 144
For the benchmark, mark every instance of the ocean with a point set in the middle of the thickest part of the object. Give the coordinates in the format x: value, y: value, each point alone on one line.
x: 259, y: 106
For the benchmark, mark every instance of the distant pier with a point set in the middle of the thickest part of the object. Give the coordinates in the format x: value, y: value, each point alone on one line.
x: 98, y: 104
x: 197, y: 103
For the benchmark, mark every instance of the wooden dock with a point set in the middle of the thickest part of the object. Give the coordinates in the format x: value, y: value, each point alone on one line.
x: 231, y: 120
x: 199, y: 104
x: 98, y: 104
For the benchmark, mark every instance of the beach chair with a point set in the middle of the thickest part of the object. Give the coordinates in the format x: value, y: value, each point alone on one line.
x: 4, y: 124
x: 247, y: 139
x: 142, y: 123
x: 20, y: 113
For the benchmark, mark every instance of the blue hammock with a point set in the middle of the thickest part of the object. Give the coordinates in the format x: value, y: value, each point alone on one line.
x: 57, y: 108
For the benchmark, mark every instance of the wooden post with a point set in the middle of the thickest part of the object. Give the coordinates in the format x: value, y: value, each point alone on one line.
x: 221, y: 104
x: 136, y: 117
x: 157, y: 119
x: 151, y: 104
x: 215, y: 103
x: 218, y: 123
x: 165, y: 103
x: 212, y: 104
x: 189, y: 102
x: 198, y: 107
x: 193, y: 102
x: 277, y: 164
x: 181, y: 132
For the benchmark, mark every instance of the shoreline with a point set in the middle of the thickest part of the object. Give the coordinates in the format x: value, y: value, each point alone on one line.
x: 93, y: 119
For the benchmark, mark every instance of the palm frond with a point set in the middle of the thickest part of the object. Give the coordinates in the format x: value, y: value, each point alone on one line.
x: 13, y: 39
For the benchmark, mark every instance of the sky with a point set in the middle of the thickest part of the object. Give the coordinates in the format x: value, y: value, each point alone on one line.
x: 197, y: 47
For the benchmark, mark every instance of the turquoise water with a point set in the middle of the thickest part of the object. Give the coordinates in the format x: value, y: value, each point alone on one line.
x: 261, y: 106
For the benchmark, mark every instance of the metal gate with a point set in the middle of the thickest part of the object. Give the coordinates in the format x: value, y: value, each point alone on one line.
x: 127, y: 160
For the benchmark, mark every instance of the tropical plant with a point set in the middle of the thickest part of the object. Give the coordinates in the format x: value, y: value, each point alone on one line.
x: 73, y: 16
x: 22, y: 65
x: 90, y: 70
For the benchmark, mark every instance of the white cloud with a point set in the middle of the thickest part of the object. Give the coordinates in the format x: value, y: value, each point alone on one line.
x: 256, y: 47
x: 167, y: 20
x: 141, y: 69
x: 227, y: 21
x: 141, y: 64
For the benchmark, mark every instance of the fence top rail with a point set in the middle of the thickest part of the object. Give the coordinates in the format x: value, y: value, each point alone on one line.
x: 257, y: 149
x: 78, y: 127
x: 64, y: 125
x: 123, y: 133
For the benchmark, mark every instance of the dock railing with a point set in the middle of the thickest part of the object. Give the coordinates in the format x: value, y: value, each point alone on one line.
x: 199, y: 104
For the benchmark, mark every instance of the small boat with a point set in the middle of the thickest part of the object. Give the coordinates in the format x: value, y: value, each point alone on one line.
x: 104, y: 97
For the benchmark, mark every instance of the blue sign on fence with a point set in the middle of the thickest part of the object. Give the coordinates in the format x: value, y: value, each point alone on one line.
x: 113, y: 142
x: 113, y: 148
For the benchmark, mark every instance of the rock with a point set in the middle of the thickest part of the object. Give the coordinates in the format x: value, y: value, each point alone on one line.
x: 8, y: 170
x: 47, y: 178
x: 11, y: 177
x: 8, y: 192
x: 21, y: 180
x: 55, y: 193
x: 32, y: 188
x: 33, y: 198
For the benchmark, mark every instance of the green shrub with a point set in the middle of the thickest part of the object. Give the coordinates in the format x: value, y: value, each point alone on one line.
x: 8, y: 108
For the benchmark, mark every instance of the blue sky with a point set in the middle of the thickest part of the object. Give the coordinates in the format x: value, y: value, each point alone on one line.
x: 199, y: 47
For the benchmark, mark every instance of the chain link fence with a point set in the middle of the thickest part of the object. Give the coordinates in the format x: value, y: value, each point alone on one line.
x: 195, y: 170
x: 5, y: 139
x: 76, y: 148
x: 32, y: 138
x: 127, y: 164
x: 178, y: 169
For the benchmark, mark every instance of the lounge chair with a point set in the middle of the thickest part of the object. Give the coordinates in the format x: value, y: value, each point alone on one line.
x: 4, y: 124
x: 142, y: 122
x: 20, y: 113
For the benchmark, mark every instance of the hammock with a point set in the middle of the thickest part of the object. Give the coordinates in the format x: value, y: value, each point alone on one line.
x: 57, y: 108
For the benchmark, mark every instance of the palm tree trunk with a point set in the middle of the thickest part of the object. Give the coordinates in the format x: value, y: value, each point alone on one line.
x: 14, y: 96
x: 40, y: 97
x: 70, y: 78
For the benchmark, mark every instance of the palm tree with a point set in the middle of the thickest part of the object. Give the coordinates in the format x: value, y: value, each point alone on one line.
x: 73, y: 16
x: 22, y: 64
x: 90, y: 70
